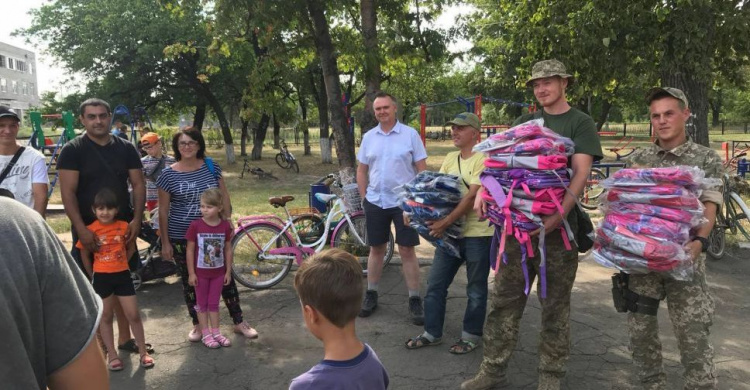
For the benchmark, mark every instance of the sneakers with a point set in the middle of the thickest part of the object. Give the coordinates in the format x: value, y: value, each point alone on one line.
x: 483, y: 381
x: 244, y: 329
x: 195, y: 334
x: 416, y: 311
x: 370, y: 303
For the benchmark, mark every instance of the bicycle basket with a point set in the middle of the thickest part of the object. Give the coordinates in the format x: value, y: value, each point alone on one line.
x: 352, y: 200
x: 303, y: 211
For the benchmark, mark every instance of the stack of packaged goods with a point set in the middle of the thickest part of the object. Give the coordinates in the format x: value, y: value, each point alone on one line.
x: 649, y: 215
x: 431, y: 196
x: 525, y: 178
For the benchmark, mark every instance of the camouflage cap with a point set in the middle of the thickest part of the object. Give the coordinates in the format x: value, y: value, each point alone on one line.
x: 658, y: 92
x: 549, y: 68
x: 466, y: 119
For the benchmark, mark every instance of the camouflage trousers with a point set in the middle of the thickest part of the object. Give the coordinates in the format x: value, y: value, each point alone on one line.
x: 508, y: 300
x: 691, y: 310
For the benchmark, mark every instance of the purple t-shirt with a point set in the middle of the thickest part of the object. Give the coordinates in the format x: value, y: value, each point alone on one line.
x: 364, y: 372
x: 210, y: 244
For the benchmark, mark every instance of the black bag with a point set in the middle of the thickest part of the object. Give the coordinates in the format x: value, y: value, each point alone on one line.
x: 585, y: 231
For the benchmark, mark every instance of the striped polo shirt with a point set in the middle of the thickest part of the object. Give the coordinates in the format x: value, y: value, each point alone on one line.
x: 185, y: 189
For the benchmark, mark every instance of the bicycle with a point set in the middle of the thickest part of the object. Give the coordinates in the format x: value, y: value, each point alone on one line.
x: 593, y: 191
x: 257, y: 171
x: 285, y: 158
x: 265, y: 245
x: 734, y: 215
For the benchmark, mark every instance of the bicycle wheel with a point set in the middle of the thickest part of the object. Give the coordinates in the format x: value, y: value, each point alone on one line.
x: 346, y: 240
x: 592, y: 192
x: 294, y: 166
x: 249, y: 267
x: 309, y: 227
x: 717, y: 241
x: 281, y: 160
x: 740, y: 215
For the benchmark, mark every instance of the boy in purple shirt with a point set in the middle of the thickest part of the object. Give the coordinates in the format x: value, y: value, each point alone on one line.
x: 329, y: 309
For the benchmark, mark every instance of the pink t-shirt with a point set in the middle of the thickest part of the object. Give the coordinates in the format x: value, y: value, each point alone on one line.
x: 210, y: 244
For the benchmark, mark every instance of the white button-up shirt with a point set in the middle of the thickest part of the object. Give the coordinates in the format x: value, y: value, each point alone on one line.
x: 391, y: 159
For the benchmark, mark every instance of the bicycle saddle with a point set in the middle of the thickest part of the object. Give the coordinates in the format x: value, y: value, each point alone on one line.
x: 325, y: 198
x: 280, y: 201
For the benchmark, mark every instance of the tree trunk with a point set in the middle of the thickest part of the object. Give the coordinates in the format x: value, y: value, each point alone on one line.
x: 715, y: 105
x: 606, y: 106
x: 326, y: 155
x: 200, y: 115
x: 225, y: 131
x: 259, y: 136
x: 343, y: 137
x: 696, y: 92
x: 243, y: 138
x: 303, y: 126
x: 372, y: 71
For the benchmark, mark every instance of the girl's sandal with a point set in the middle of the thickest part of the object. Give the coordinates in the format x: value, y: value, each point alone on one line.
x: 462, y: 346
x: 223, y: 341
x: 210, y: 342
x: 115, y: 364
x: 420, y: 341
x: 147, y: 361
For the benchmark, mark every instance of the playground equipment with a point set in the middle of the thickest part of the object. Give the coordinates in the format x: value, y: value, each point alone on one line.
x: 139, y: 115
x: 472, y: 104
x: 40, y: 142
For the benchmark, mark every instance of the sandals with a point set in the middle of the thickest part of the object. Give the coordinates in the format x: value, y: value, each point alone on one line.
x: 420, y: 341
x: 131, y: 346
x: 210, y: 342
x: 147, y: 361
x: 115, y: 364
x: 223, y: 341
x: 463, y: 346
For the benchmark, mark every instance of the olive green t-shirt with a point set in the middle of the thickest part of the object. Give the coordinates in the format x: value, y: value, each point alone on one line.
x: 573, y: 124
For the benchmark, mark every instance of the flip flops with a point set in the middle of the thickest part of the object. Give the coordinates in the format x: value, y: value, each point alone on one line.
x: 420, y: 341
x: 131, y: 346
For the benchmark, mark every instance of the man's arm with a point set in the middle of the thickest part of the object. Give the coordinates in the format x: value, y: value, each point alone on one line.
x: 138, y: 183
x: 86, y: 372
x: 710, y: 213
x: 421, y: 165
x: 68, y: 186
x: 581, y: 164
x: 39, y: 193
x: 363, y: 179
x: 227, y: 211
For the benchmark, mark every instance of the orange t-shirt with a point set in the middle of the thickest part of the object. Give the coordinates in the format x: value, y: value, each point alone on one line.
x: 112, y: 254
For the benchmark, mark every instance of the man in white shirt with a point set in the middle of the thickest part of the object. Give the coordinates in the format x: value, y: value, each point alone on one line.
x: 27, y: 177
x: 390, y: 155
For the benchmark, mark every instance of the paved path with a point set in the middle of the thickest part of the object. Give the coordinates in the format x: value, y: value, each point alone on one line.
x: 600, y: 357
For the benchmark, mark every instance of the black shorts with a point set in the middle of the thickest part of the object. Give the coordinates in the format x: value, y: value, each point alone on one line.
x: 379, y: 225
x: 118, y: 283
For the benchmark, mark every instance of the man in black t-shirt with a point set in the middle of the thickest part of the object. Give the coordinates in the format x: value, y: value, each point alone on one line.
x: 91, y: 162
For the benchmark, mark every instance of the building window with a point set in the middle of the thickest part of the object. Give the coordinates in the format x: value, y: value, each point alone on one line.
x: 3, y: 85
x: 2, y: 61
x: 24, y: 88
x: 14, y: 87
x: 31, y: 89
x: 10, y: 63
x: 21, y: 66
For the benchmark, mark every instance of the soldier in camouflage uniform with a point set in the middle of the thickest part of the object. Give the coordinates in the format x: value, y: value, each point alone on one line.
x: 507, y: 299
x: 689, y: 303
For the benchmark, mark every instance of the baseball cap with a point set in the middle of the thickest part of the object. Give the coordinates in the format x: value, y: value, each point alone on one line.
x: 653, y: 93
x: 466, y: 119
x: 549, y: 68
x: 150, y: 138
x: 7, y: 112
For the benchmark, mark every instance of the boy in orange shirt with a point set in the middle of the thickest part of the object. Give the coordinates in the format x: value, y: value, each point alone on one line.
x: 111, y: 276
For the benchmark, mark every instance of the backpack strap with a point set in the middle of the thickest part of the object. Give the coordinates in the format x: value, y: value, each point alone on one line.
x: 12, y: 162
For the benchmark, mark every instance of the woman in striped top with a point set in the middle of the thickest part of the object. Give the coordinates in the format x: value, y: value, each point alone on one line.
x: 180, y: 187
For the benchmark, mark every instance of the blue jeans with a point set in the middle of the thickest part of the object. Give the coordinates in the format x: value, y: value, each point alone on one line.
x: 475, y: 251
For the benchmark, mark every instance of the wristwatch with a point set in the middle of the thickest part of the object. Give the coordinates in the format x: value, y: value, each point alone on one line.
x: 704, y: 242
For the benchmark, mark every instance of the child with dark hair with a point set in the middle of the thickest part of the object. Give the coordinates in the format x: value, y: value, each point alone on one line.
x: 111, y: 276
x: 209, y: 264
x: 329, y: 285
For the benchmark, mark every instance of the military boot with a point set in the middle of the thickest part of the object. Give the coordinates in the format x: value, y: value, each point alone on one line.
x: 484, y: 381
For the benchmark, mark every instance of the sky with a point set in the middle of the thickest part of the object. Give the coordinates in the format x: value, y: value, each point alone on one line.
x: 50, y: 75
x: 15, y: 16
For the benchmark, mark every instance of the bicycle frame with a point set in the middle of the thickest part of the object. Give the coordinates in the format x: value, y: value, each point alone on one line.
x: 298, y: 251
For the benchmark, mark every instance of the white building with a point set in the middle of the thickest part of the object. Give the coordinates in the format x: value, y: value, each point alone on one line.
x: 18, y: 81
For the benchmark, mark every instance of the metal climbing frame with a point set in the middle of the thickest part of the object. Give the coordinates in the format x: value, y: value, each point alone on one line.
x: 39, y: 142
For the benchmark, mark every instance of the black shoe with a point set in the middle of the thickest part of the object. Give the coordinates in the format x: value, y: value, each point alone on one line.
x: 415, y: 309
x: 370, y: 303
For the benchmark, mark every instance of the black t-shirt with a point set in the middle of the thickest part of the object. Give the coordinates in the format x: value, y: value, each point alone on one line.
x: 81, y: 155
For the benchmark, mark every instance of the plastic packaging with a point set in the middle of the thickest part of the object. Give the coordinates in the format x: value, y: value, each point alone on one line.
x: 633, y: 264
x: 507, y: 161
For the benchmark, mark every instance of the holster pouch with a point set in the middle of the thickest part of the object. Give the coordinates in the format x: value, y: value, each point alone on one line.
x: 628, y: 301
